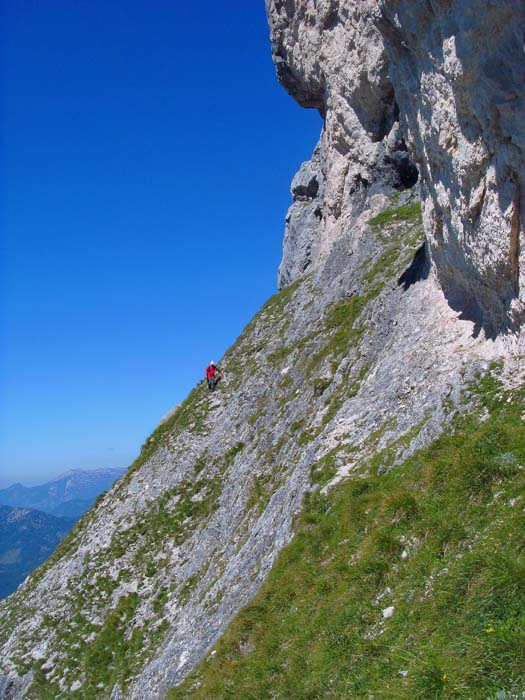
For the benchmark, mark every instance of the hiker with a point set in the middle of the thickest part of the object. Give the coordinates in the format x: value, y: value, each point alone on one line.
x: 212, y: 374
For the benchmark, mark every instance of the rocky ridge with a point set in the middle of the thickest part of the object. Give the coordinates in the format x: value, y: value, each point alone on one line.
x: 361, y: 354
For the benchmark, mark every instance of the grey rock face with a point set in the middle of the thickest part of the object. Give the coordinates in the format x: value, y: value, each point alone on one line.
x: 457, y: 70
x: 12, y: 686
x: 303, y: 220
x: 331, y: 57
x: 315, y: 220
x: 452, y: 73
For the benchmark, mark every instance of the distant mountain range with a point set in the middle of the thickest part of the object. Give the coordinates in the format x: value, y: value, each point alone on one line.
x: 69, y: 495
x: 27, y: 538
x: 33, y: 519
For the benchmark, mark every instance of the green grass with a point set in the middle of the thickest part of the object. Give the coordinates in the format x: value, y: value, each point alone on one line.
x: 320, y: 385
x: 162, y: 521
x: 341, y: 329
x: 325, y: 468
x: 399, y: 243
x: 316, y: 629
x: 229, y: 455
x: 263, y: 487
x: 347, y: 389
x: 407, y: 213
x: 280, y: 354
x: 382, y: 267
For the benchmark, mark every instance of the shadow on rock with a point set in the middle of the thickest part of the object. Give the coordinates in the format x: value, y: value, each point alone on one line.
x: 418, y: 269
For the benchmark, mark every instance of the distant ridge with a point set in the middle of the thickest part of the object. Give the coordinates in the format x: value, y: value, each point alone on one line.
x: 69, y: 494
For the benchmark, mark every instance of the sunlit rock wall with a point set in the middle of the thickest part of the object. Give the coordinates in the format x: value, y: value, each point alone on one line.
x: 445, y: 79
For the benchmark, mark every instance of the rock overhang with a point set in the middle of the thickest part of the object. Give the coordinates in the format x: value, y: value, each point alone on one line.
x: 449, y: 76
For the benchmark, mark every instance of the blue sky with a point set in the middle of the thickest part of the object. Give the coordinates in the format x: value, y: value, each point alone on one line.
x: 148, y: 151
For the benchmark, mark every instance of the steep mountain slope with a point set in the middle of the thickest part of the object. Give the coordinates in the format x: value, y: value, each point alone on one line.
x: 401, y: 585
x: 27, y: 538
x: 349, y: 363
x: 357, y: 364
x: 70, y: 494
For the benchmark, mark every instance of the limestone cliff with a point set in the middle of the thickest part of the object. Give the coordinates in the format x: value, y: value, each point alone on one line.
x: 365, y: 354
x: 449, y: 76
x: 333, y: 59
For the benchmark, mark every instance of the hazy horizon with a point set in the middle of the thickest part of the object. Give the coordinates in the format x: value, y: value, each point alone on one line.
x: 42, y: 478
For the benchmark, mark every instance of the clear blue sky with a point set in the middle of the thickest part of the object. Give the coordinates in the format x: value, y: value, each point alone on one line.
x: 147, y: 155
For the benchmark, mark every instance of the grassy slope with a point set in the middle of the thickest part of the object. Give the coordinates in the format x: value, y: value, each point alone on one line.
x: 316, y: 629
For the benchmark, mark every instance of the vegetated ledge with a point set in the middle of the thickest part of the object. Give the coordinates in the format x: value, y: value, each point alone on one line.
x: 407, y: 584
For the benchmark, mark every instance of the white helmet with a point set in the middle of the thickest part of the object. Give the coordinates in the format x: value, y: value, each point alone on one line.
x: 212, y: 362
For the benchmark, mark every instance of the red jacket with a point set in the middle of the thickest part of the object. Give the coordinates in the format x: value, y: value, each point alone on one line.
x: 210, y: 371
